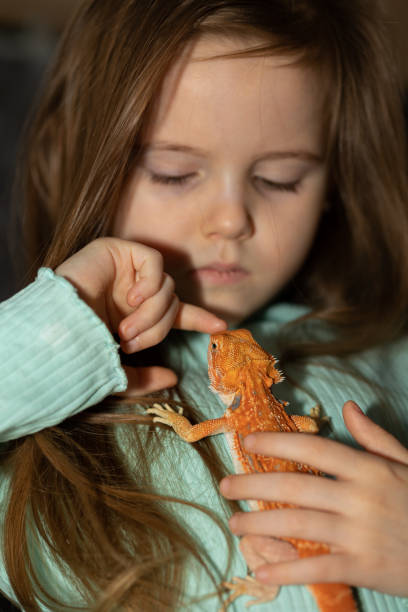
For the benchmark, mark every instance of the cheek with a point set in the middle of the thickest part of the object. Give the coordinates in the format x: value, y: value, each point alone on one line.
x: 302, y: 232
x: 155, y: 224
x: 140, y: 219
x: 136, y: 216
x: 125, y: 215
x: 288, y: 233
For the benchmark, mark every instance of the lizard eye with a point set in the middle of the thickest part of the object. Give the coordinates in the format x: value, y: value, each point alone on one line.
x: 213, y: 346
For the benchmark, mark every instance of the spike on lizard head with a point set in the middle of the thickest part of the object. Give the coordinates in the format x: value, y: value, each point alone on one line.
x: 229, y: 354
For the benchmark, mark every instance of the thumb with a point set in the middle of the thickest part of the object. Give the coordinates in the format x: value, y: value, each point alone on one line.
x: 147, y: 380
x: 371, y: 436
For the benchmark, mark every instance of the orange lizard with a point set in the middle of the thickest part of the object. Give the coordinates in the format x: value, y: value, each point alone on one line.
x: 241, y: 373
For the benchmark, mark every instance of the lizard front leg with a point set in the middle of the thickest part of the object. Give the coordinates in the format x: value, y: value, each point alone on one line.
x: 262, y: 593
x: 312, y: 423
x: 182, y: 426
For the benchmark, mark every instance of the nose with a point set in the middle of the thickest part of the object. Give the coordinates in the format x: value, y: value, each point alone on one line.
x: 226, y: 213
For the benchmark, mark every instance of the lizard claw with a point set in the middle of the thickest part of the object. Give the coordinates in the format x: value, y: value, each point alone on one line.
x: 164, y: 413
x: 315, y: 413
x: 249, y: 586
x: 164, y: 408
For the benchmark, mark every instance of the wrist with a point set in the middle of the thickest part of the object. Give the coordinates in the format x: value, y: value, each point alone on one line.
x: 88, y: 288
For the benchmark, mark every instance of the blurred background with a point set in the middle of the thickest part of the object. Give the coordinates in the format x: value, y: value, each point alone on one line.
x: 29, y: 31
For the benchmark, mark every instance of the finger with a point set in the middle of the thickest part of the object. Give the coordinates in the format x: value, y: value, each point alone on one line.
x: 146, y: 380
x: 258, y: 550
x: 155, y: 334
x: 371, y: 436
x: 149, y: 313
x: 311, y: 570
x: 312, y: 525
x: 300, y: 489
x: 325, y: 455
x: 148, y: 266
x: 194, y: 318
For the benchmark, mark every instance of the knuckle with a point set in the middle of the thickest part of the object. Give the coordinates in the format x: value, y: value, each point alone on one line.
x: 147, y: 251
x: 375, y: 491
x: 375, y: 468
x: 362, y: 502
x: 384, y: 472
x: 175, y: 303
x: 123, y: 329
x: 169, y: 282
x: 157, y: 334
x: 156, y: 256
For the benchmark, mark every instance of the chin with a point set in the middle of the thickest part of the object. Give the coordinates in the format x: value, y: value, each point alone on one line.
x: 230, y: 310
x: 232, y: 318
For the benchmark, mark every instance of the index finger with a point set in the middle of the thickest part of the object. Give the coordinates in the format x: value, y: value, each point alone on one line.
x: 195, y: 318
x: 148, y: 266
x: 326, y: 455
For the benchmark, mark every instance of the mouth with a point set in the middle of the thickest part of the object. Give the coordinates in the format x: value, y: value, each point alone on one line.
x: 220, y: 274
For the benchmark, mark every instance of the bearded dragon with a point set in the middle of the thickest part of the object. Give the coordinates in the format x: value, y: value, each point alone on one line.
x: 241, y: 373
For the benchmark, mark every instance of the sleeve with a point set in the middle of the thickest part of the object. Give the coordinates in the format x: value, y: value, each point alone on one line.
x: 56, y: 357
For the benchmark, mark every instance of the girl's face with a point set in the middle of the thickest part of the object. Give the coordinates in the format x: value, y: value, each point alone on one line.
x: 232, y: 182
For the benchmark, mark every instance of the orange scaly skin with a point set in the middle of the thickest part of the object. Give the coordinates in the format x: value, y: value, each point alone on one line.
x: 241, y: 373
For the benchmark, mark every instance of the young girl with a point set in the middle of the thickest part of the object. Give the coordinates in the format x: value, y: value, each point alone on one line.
x: 196, y: 165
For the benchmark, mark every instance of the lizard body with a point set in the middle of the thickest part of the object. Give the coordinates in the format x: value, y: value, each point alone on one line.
x: 241, y: 373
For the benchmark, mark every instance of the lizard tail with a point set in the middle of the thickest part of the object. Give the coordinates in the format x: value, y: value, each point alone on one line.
x: 334, y: 597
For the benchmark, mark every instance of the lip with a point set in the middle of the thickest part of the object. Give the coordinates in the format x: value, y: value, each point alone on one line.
x: 218, y: 273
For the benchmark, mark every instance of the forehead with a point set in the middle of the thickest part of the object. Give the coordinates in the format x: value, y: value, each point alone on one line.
x: 274, y: 95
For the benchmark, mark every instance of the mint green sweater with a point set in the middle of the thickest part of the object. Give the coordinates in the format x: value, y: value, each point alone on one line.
x: 57, y: 358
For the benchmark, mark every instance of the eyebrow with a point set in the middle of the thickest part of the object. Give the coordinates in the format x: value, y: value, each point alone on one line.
x: 300, y: 154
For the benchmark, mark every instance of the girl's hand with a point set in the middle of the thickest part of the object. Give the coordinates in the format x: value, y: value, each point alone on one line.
x: 362, y: 515
x: 124, y: 283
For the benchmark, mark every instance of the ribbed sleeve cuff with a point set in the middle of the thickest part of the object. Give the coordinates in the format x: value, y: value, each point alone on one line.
x: 56, y: 357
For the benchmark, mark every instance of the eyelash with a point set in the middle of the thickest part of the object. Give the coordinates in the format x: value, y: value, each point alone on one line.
x: 180, y: 180
x: 170, y: 180
x: 288, y: 187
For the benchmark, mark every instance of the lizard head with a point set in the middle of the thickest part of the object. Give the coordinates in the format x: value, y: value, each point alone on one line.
x: 233, y: 354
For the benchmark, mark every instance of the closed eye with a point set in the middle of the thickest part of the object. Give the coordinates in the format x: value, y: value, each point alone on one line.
x: 165, y: 179
x: 273, y: 185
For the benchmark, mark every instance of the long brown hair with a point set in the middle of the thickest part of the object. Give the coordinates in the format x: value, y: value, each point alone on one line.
x: 84, y: 141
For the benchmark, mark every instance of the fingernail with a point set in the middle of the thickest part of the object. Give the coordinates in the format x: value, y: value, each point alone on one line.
x: 132, y: 346
x: 262, y: 574
x: 136, y: 299
x: 233, y: 522
x: 127, y: 331
x: 225, y: 485
x: 220, y: 325
x: 355, y: 407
